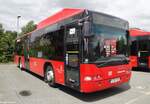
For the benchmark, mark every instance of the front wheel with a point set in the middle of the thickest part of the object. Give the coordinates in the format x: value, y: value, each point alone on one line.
x: 50, y: 77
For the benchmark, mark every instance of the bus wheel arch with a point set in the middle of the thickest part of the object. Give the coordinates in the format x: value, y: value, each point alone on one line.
x: 49, y: 74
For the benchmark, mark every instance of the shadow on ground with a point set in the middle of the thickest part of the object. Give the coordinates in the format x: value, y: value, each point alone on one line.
x: 37, y: 76
x: 90, y: 97
x: 141, y: 69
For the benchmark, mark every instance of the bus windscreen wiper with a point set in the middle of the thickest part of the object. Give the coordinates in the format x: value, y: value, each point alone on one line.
x: 113, y: 61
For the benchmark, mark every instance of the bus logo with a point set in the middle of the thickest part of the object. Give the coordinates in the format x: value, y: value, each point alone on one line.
x: 110, y: 73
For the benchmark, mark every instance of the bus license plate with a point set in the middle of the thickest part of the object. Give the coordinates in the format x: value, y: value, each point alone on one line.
x: 114, y: 80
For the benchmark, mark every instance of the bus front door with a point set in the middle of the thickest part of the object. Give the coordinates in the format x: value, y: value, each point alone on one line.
x: 72, y: 70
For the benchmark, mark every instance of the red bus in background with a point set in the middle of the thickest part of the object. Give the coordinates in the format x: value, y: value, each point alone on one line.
x: 82, y: 49
x: 140, y: 48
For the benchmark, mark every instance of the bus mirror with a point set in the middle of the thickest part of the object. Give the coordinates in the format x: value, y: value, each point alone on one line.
x: 86, y: 28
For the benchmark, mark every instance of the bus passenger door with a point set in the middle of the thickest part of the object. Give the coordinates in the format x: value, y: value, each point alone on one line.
x: 72, y: 71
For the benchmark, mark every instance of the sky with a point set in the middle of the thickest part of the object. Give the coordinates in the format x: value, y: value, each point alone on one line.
x: 137, y: 12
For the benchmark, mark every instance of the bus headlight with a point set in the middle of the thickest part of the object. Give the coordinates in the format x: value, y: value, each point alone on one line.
x: 97, y: 78
x: 87, y: 78
x: 94, y: 78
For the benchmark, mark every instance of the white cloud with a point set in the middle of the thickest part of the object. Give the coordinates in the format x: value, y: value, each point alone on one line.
x: 27, y: 9
x: 135, y: 11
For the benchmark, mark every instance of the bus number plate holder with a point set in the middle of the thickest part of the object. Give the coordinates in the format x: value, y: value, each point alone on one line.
x: 115, y: 80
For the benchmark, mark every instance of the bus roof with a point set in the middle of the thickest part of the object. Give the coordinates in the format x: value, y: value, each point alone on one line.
x: 138, y: 32
x: 61, y: 15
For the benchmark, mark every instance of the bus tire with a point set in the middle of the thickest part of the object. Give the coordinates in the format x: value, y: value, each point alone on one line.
x: 20, y: 64
x: 50, y: 76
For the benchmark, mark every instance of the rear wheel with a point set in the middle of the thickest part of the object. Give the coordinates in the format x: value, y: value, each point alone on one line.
x: 19, y: 64
x: 49, y: 76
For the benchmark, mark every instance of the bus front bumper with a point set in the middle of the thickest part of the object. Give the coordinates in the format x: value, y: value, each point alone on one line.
x: 93, y: 86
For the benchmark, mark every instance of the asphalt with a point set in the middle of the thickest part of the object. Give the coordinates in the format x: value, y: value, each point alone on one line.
x: 22, y: 87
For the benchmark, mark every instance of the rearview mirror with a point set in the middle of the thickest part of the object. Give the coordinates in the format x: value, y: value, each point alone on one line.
x: 86, y: 28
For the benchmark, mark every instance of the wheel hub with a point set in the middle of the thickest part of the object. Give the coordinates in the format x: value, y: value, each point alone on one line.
x: 50, y: 75
x: 20, y: 65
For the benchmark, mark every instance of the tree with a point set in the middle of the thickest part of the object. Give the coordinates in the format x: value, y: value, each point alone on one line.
x: 7, y: 41
x: 1, y: 29
x: 30, y: 26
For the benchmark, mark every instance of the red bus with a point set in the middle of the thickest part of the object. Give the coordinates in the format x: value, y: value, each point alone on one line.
x: 82, y: 49
x: 140, y: 49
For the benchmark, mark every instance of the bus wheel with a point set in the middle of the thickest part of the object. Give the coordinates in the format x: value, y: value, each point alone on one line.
x: 20, y: 64
x: 50, y: 77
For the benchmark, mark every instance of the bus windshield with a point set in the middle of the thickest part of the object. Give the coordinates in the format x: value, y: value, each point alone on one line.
x: 106, y: 45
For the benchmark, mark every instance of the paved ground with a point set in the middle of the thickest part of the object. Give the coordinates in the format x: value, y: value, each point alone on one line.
x: 13, y: 82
